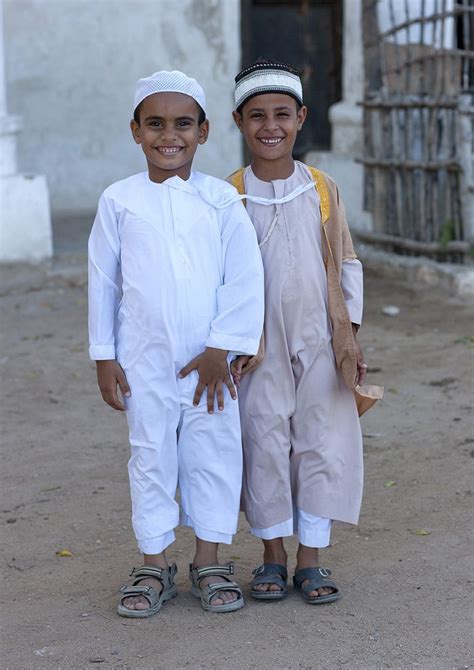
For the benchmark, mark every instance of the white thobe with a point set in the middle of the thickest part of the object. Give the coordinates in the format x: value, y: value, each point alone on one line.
x: 171, y: 274
x: 299, y: 421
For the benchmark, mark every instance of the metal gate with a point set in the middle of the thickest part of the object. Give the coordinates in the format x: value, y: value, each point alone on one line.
x: 418, y: 125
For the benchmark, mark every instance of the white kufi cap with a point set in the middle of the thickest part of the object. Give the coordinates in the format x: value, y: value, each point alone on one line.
x: 169, y: 82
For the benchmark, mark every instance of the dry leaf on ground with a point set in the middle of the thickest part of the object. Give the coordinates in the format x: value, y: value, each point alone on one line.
x: 419, y: 531
x: 64, y: 553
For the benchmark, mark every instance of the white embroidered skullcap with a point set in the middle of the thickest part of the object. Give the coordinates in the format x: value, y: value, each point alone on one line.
x: 267, y: 77
x: 169, y: 82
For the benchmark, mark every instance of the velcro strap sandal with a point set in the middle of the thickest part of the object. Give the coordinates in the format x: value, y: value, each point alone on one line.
x: 317, y: 579
x: 270, y: 573
x: 156, y: 600
x: 210, y: 591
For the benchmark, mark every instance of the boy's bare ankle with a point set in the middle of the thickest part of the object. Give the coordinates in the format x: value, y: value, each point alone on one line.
x: 272, y: 557
x: 206, y: 553
x: 274, y: 552
x: 155, y: 560
x: 203, y: 561
x: 307, y: 557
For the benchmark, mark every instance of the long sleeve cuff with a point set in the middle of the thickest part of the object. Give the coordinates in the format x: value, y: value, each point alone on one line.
x: 352, y: 287
x: 102, y: 352
x: 240, y: 346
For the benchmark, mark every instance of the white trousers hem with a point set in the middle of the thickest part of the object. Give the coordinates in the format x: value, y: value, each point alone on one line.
x: 313, y: 531
x: 205, y: 534
x: 283, y: 529
x: 156, y: 545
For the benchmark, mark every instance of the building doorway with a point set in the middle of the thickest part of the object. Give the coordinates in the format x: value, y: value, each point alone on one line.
x: 306, y: 34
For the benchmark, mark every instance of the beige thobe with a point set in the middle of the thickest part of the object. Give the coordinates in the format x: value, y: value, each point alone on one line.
x: 301, y: 431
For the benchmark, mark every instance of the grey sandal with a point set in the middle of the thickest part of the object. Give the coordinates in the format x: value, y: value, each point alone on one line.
x: 207, y: 593
x: 156, y: 600
x: 270, y: 573
x: 317, y: 579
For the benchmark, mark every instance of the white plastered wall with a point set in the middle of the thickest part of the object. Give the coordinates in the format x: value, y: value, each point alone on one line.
x: 25, y: 221
x: 346, y: 119
x: 71, y: 68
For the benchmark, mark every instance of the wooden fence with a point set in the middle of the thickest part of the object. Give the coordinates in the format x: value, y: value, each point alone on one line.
x: 418, y: 125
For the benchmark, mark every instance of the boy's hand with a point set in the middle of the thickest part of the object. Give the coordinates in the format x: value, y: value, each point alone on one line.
x: 213, y: 371
x: 239, y: 367
x: 109, y: 374
x: 242, y: 365
x: 361, y: 364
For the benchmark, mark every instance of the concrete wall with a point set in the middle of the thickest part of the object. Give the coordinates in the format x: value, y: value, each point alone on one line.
x: 71, y: 68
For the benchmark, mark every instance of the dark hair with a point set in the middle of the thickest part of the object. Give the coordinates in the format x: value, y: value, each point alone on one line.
x: 201, y: 117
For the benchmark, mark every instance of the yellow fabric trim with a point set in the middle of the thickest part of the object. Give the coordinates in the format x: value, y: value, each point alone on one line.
x: 237, y: 180
x: 322, y: 189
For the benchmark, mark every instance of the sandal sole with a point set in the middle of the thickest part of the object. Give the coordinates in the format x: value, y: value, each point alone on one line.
x: 224, y: 609
x: 269, y: 595
x: 322, y: 600
x: 144, y: 614
x: 216, y: 609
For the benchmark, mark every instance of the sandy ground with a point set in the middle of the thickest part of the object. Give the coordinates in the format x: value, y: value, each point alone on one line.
x: 406, y: 595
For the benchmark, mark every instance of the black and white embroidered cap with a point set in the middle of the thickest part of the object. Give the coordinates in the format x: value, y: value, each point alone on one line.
x: 267, y: 77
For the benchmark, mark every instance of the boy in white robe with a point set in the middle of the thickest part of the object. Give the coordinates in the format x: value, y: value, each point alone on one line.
x: 301, y: 432
x: 175, y: 290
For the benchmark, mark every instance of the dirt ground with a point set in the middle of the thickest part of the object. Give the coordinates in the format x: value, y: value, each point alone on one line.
x: 405, y: 571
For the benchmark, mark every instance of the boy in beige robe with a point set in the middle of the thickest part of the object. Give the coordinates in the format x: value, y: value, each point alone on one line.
x: 301, y: 433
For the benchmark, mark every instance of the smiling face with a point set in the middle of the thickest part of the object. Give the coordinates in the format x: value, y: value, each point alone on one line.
x: 270, y: 123
x: 169, y: 133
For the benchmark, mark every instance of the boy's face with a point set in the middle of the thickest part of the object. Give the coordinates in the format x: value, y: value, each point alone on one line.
x: 169, y: 133
x: 270, y: 123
